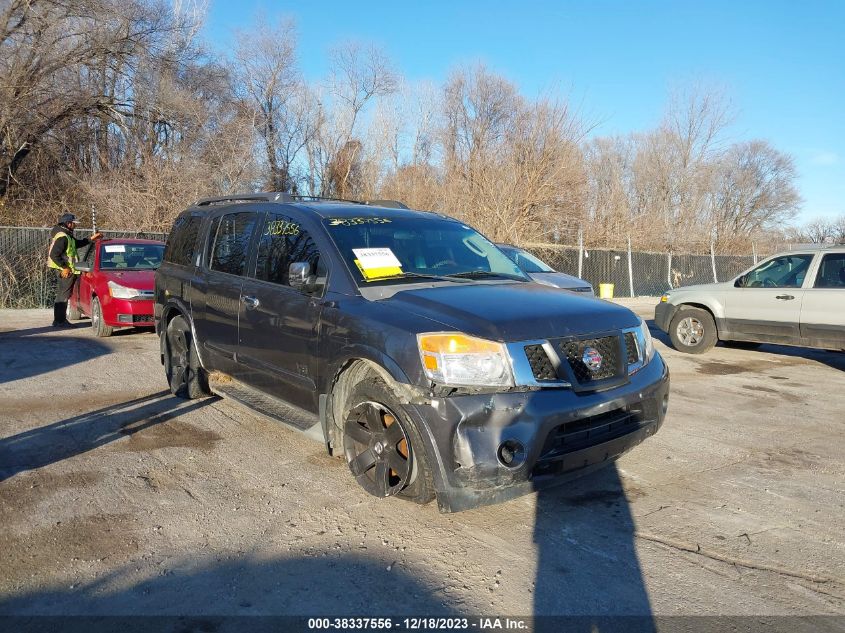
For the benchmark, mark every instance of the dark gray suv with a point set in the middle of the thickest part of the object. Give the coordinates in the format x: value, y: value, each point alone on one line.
x: 407, y: 342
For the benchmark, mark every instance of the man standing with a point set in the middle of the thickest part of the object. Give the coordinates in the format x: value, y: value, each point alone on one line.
x: 61, y: 256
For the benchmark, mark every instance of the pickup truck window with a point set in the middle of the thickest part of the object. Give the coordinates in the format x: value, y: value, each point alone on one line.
x: 181, y: 245
x: 422, y: 246
x: 832, y: 271
x: 229, y: 250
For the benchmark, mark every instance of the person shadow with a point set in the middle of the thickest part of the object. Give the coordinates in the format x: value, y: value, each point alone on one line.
x: 227, y: 592
x: 588, y: 575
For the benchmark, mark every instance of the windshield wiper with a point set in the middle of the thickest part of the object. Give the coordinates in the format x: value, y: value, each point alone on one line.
x: 478, y: 274
x: 410, y: 275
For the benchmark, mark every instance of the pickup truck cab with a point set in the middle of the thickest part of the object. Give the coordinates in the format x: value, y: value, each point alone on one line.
x: 405, y: 341
x: 792, y: 298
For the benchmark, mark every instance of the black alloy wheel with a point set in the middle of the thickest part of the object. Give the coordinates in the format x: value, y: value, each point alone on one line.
x: 377, y: 449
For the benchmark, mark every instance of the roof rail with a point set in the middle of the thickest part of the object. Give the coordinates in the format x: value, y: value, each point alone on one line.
x: 267, y: 196
x: 280, y: 196
x: 388, y: 204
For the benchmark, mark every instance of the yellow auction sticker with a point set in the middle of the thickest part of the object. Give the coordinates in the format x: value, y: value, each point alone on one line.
x: 377, y: 262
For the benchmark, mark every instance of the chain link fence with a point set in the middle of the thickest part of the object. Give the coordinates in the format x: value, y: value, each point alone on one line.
x: 635, y: 273
x: 25, y: 280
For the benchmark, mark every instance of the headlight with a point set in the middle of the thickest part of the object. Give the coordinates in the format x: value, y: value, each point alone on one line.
x: 464, y: 361
x: 122, y: 292
x: 647, y: 342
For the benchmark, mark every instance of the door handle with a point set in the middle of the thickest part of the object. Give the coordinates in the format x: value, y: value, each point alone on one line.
x: 250, y: 302
x: 785, y: 297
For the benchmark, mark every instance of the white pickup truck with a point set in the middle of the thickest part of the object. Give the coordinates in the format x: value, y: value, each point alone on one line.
x: 794, y: 298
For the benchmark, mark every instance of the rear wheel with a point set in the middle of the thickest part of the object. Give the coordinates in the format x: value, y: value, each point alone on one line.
x: 693, y: 330
x: 97, y: 323
x: 185, y: 375
x: 383, y: 449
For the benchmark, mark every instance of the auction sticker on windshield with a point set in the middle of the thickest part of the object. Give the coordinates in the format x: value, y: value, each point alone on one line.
x: 377, y: 262
x: 115, y: 248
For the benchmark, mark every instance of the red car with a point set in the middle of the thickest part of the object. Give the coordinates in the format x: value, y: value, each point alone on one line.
x: 116, y: 285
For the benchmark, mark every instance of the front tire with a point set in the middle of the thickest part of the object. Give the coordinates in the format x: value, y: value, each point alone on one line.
x: 97, y: 323
x: 383, y: 449
x: 185, y: 375
x: 693, y: 331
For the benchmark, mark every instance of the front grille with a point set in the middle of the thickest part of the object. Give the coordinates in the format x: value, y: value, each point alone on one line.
x: 606, y: 346
x: 586, y: 432
x: 541, y: 366
x: 631, y: 348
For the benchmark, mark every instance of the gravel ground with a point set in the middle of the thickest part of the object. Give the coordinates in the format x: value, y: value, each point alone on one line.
x: 117, y: 498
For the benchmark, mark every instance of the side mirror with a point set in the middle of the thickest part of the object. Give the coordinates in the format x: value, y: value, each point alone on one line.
x: 298, y: 274
x: 740, y: 282
x: 83, y: 267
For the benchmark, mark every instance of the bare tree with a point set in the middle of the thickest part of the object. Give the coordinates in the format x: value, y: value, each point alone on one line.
x: 268, y: 78
x: 753, y: 191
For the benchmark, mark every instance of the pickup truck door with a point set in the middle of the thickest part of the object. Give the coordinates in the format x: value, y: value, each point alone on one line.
x: 823, y: 308
x: 280, y: 325
x: 766, y: 306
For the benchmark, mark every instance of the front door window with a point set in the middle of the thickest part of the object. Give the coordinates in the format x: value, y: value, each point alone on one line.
x: 786, y: 271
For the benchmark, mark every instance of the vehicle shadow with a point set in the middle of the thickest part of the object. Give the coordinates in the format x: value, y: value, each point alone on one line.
x: 82, y: 433
x: 205, y: 593
x: 587, y: 564
x: 24, y: 354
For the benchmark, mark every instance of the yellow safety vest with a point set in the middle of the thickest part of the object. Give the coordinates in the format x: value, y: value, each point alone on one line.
x: 70, y: 252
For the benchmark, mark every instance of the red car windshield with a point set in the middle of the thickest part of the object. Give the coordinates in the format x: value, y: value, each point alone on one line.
x: 130, y: 256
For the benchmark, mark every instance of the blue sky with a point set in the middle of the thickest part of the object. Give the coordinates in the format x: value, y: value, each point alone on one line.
x: 781, y: 63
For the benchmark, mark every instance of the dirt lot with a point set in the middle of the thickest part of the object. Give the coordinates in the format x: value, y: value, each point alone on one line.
x: 116, y: 498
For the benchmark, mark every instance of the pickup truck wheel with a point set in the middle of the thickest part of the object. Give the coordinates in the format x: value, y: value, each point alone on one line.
x: 383, y: 449
x: 187, y: 379
x: 693, y: 331
x: 97, y: 324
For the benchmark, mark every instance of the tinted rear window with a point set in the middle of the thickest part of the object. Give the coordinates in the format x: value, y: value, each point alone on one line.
x: 182, y: 242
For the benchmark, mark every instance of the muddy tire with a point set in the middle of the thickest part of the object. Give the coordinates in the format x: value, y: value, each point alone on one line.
x: 97, y: 324
x: 185, y: 375
x: 382, y: 447
x: 693, y: 331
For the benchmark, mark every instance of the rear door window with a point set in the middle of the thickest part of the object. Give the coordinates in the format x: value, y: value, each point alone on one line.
x: 229, y: 244
x: 182, y: 242
x: 831, y: 271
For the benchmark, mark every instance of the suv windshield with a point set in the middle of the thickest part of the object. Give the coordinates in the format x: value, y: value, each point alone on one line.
x: 130, y: 256
x: 526, y: 261
x: 382, y: 249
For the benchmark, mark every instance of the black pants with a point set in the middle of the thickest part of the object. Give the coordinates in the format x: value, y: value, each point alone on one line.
x: 64, y: 288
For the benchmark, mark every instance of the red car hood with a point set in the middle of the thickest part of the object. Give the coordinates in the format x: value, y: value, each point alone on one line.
x: 140, y: 279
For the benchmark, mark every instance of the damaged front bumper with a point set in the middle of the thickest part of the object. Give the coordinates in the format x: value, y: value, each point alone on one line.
x: 493, y: 447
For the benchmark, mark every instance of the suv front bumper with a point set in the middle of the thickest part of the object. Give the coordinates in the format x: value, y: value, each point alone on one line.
x: 551, y: 436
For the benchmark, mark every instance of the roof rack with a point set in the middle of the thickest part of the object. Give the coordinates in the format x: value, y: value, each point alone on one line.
x: 280, y: 196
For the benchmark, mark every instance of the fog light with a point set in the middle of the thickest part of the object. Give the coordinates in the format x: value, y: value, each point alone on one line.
x: 511, y: 453
x: 124, y: 318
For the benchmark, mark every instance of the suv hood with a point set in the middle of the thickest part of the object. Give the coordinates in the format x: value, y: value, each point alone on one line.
x: 724, y: 285
x: 513, y: 311
x: 140, y: 279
